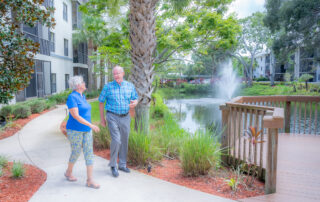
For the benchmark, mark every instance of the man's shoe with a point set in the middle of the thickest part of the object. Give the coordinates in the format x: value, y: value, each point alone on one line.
x: 124, y: 169
x: 114, y: 171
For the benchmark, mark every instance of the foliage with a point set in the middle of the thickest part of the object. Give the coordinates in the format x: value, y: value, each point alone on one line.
x: 261, y: 78
x: 305, y: 78
x: 60, y: 98
x: 21, y: 111
x: 278, y: 89
x: 287, y: 77
x: 102, y: 139
x: 141, y: 150
x: 17, y: 170
x: 92, y: 94
x: 37, y: 106
x: 6, y: 111
x: 3, y: 161
x: 50, y: 104
x: 233, y: 183
x: 253, y: 40
x: 297, y: 21
x: 17, y: 52
x: 1, y: 172
x: 199, y: 154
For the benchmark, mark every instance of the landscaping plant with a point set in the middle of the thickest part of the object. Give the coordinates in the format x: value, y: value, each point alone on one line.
x: 17, y: 170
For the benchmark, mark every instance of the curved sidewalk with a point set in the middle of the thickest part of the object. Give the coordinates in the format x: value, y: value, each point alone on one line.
x: 41, y: 143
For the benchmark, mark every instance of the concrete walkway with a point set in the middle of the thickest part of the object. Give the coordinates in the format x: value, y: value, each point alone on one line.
x: 41, y: 143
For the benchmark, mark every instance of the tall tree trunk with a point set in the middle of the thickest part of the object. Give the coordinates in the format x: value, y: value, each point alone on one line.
x: 143, y: 44
x: 90, y: 66
x: 94, y: 73
x: 272, y: 68
x: 102, y: 74
x: 251, y: 71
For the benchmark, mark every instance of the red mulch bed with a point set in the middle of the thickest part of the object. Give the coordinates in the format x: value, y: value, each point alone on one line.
x: 18, y: 124
x: 213, y: 183
x: 21, y: 189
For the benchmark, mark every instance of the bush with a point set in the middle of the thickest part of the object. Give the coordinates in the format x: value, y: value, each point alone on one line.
x: 21, y: 111
x: 199, y: 154
x: 3, y: 161
x: 92, y: 94
x: 102, y: 139
x: 141, y: 151
x: 6, y: 111
x: 37, y: 106
x: 60, y: 98
x: 196, y: 88
x: 262, y: 79
x: 17, y: 170
x: 50, y: 104
x: 1, y: 172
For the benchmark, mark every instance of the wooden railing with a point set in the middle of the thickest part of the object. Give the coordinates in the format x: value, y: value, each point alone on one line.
x: 301, y: 112
x: 270, y: 115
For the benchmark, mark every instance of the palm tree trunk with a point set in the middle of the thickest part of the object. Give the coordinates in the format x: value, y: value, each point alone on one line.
x: 102, y: 74
x: 143, y: 44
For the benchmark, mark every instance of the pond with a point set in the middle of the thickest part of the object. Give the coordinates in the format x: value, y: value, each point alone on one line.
x: 201, y: 113
x: 195, y: 114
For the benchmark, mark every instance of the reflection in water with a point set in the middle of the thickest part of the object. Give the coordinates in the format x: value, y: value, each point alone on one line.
x: 195, y: 114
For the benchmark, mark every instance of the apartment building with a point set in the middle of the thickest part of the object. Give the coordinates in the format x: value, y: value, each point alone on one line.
x: 301, y: 62
x: 58, y: 59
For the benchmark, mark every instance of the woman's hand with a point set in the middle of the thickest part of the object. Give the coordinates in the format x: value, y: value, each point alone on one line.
x: 95, y: 128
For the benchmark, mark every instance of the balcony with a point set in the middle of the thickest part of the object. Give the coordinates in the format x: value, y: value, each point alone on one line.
x: 44, y: 44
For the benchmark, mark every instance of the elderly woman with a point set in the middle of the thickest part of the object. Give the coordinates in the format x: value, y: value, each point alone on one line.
x: 79, y: 129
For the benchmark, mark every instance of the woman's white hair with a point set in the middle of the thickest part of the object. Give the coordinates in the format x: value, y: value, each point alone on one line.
x: 117, y: 67
x: 75, y: 81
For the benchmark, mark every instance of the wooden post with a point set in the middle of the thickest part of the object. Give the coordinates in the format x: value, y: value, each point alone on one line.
x: 273, y: 122
x: 272, y: 156
x: 224, y: 136
x: 287, y: 117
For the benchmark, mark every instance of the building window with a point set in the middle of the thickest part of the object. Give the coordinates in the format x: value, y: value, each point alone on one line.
x: 53, y: 82
x: 65, y: 12
x: 66, y: 50
x: 66, y: 81
x: 52, y: 41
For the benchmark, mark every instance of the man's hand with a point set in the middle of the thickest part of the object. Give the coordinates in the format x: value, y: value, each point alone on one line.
x: 133, y: 104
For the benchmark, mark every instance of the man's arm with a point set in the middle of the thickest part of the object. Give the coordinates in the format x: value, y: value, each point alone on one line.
x: 102, y: 118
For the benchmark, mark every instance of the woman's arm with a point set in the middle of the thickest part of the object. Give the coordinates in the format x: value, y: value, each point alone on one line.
x: 75, y: 114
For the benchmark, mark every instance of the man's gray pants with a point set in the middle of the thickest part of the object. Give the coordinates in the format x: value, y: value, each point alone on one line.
x: 119, y: 127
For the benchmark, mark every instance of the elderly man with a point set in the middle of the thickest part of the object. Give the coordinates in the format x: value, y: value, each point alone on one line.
x: 119, y: 96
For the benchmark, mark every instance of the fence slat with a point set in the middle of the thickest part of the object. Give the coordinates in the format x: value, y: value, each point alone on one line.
x: 295, y: 116
x: 234, y: 136
x: 315, y: 118
x: 299, y: 116
x: 257, y: 127
x: 305, y: 117
x: 310, y: 118
x: 239, y: 132
x: 261, y: 145
x: 244, y: 139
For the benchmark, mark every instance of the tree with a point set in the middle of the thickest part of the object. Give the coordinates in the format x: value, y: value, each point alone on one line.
x: 305, y: 78
x: 253, y: 40
x: 143, y: 40
x: 297, y: 22
x: 17, y: 52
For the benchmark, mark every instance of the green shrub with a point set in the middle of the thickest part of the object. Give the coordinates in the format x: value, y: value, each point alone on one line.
x: 141, y: 151
x: 37, y: 106
x: 196, y: 88
x: 6, y: 111
x: 50, y: 104
x: 17, y: 170
x: 3, y: 161
x: 1, y: 172
x: 60, y: 98
x: 102, y: 139
x: 92, y: 94
x: 199, y: 154
x: 169, y: 136
x: 262, y: 79
x: 21, y: 111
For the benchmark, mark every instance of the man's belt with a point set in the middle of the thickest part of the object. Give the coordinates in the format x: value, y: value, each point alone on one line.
x: 121, y: 115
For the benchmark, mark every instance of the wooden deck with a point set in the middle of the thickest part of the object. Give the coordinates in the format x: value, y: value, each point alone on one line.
x: 298, y: 174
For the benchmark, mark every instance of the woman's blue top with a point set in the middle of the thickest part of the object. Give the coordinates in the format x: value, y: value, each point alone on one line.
x: 75, y: 100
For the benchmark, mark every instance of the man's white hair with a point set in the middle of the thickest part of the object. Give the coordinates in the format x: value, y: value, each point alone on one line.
x: 75, y: 81
x: 117, y: 67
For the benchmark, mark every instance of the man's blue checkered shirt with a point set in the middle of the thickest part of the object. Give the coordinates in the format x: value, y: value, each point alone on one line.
x: 117, y: 97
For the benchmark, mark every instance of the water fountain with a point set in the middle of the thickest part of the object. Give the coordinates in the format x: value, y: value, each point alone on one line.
x: 228, y: 82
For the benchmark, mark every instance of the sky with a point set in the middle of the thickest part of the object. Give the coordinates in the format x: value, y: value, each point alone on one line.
x: 245, y: 8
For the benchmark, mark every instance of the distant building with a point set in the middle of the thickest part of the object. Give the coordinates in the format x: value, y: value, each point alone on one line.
x: 302, y: 62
